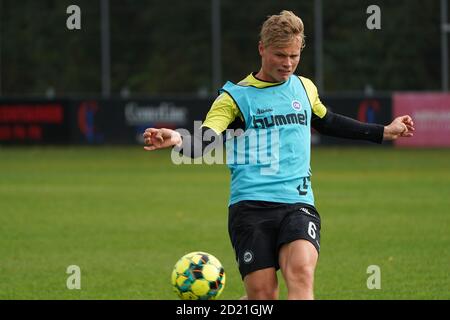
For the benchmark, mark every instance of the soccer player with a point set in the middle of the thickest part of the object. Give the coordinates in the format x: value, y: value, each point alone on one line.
x: 273, y: 223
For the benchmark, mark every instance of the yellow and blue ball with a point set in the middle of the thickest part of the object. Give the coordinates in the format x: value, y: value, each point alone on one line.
x: 198, y: 276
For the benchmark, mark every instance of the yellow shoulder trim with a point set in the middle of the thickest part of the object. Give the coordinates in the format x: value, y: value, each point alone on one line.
x: 222, y: 113
x: 311, y: 90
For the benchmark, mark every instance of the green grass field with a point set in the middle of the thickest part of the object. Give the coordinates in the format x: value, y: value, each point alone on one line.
x: 125, y: 216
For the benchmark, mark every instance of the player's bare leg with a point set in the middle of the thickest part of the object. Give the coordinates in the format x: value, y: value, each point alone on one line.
x: 261, y: 285
x: 298, y: 261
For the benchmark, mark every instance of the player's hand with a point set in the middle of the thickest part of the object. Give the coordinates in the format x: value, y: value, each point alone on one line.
x: 401, y: 127
x: 161, y: 138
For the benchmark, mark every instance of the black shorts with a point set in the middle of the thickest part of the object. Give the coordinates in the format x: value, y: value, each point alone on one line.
x: 258, y: 229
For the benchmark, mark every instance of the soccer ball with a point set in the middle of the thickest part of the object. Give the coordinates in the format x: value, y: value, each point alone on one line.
x: 198, y: 276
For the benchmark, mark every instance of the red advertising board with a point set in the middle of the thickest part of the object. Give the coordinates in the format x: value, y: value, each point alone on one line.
x: 431, y: 116
x: 33, y: 122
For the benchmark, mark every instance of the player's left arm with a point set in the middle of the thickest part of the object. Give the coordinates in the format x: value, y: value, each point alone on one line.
x: 337, y: 125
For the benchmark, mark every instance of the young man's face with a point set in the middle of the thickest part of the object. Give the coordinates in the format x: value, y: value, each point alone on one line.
x: 278, y: 63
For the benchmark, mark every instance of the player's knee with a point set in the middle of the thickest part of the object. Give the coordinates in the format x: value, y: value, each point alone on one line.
x: 301, y: 275
x: 263, y: 295
x: 262, y: 291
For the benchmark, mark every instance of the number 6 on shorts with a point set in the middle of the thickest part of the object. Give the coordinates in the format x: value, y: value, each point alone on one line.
x: 312, y: 230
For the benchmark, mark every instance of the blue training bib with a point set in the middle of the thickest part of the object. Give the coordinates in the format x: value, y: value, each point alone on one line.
x: 270, y: 160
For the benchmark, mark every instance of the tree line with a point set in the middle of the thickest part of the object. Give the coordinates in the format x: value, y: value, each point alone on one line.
x: 164, y: 47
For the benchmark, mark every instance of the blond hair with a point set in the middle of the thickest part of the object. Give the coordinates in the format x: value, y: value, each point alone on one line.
x: 281, y: 30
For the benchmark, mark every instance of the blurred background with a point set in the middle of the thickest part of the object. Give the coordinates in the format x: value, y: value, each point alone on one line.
x: 137, y: 47
x: 161, y: 63
x: 76, y: 188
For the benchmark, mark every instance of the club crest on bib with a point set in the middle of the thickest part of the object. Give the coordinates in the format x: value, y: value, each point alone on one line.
x: 296, y: 105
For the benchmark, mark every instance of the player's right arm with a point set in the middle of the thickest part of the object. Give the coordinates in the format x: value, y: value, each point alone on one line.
x: 223, y: 112
x: 161, y: 138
